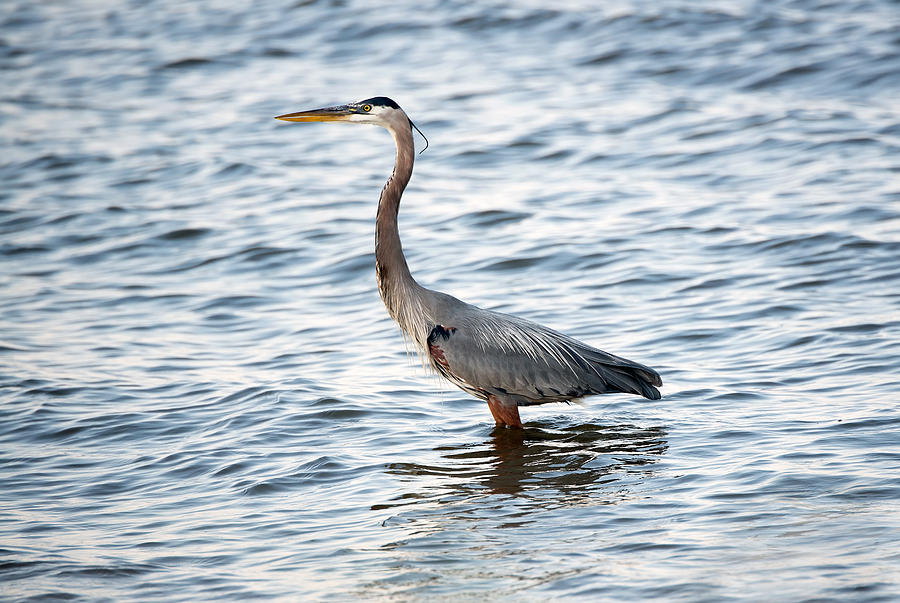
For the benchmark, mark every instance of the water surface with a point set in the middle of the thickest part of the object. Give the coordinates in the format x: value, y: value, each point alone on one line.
x: 202, y: 396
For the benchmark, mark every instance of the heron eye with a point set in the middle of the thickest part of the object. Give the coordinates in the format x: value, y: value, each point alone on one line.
x: 367, y: 108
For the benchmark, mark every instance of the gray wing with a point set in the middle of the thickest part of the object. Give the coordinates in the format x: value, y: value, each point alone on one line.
x: 489, y: 353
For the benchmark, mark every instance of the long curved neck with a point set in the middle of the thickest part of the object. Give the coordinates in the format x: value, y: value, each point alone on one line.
x: 398, y: 289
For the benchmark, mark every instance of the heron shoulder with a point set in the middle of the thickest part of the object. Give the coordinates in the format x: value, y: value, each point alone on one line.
x: 494, y: 332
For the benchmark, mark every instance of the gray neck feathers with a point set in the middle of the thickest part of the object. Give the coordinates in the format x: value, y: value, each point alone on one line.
x: 402, y: 295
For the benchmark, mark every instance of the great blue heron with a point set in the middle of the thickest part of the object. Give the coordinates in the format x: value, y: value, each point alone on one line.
x: 503, y: 359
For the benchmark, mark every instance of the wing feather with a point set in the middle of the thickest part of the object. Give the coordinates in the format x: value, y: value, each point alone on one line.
x: 486, y: 353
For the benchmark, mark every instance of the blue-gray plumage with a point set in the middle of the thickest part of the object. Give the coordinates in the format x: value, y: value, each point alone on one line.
x: 503, y: 359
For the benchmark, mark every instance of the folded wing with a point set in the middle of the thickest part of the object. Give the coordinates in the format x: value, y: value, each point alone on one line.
x: 502, y: 355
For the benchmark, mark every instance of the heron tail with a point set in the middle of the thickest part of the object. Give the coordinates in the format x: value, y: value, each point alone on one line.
x: 617, y: 374
x: 632, y: 380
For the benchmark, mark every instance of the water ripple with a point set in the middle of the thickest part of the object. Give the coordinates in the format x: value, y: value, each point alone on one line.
x: 203, y: 398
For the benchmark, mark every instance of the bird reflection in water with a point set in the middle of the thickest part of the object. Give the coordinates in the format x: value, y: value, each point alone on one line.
x: 550, y: 463
x: 487, y: 500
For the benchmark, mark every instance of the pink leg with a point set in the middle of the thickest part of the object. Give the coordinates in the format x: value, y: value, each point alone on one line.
x: 504, y: 413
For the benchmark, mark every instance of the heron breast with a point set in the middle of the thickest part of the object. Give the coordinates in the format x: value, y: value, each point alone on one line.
x: 437, y: 354
x: 438, y: 334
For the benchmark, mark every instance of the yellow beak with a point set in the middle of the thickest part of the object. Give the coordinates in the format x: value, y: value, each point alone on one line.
x: 339, y: 113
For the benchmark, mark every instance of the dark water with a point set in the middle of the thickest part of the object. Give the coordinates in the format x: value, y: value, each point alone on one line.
x: 202, y: 396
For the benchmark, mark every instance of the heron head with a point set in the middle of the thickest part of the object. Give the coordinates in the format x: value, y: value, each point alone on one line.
x: 380, y: 111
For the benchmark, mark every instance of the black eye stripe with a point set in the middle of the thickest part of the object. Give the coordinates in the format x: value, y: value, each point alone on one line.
x: 380, y: 101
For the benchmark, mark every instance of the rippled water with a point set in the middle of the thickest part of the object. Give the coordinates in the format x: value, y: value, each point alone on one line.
x: 202, y: 396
